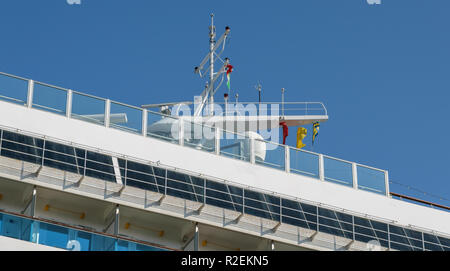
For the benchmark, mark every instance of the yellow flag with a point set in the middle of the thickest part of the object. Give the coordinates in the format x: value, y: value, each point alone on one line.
x: 301, y: 134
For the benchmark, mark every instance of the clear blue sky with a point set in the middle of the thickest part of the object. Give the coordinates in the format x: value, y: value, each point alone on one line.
x: 381, y: 70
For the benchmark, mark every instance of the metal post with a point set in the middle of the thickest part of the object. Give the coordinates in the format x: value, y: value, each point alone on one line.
x: 212, y: 43
x: 43, y: 153
x: 107, y: 112
x: 353, y: 227
x: 355, y: 175
x: 30, y: 93
x: 196, y: 237
x: 85, y: 162
x: 281, y: 210
x: 204, y: 192
x: 317, y: 220
x: 69, y: 103
x: 423, y: 242
x: 116, y: 222
x: 181, y: 132
x: 165, y: 184
x: 386, y: 182
x: 1, y: 141
x: 321, y: 168
x: 259, y: 87
x: 389, y: 237
x: 144, y: 121
x: 252, y: 150
x: 287, y: 164
x: 282, y: 101
x: 226, y: 104
x: 33, y: 202
x: 125, y: 169
x: 217, y: 139
x: 243, y: 201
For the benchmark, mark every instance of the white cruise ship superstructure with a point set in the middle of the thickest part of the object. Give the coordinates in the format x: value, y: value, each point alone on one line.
x: 80, y: 172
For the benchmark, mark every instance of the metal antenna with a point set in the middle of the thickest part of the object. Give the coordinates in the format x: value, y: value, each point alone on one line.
x: 211, y: 57
x: 212, y: 43
x: 258, y: 87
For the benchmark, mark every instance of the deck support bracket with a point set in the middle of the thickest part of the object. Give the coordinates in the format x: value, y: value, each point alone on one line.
x: 160, y: 201
x: 199, y: 210
x: 311, y: 238
x: 38, y: 170
x: 274, y: 229
x: 78, y: 183
x: 237, y: 219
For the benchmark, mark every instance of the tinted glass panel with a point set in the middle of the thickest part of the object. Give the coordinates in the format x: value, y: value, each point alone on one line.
x: 22, y: 147
x: 100, y: 166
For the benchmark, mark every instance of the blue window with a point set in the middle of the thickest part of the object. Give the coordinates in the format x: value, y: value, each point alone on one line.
x: 52, y: 235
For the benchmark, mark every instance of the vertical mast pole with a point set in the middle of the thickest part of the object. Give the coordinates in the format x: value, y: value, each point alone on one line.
x: 212, y: 43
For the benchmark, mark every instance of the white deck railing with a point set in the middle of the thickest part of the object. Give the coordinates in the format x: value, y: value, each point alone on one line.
x: 73, y: 104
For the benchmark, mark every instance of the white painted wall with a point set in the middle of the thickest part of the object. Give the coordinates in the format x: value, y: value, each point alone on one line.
x: 52, y: 125
x: 11, y: 244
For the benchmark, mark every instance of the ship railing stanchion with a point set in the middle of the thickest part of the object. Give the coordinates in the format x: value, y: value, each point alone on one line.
x: 311, y: 238
x: 78, y: 183
x: 348, y: 246
x: 252, y: 150
x: 355, y: 175
x: 126, y: 170
x: 275, y: 228
x: 180, y: 131
x: 281, y: 210
x: 217, y: 138
x: 144, y: 121
x: 160, y: 201
x: 238, y: 218
x: 107, y: 112
x: 321, y: 168
x: 287, y: 164
x: 124, y: 184
x: 386, y: 183
x: 69, y: 103
x: 199, y: 210
x: 30, y: 93
x: 423, y: 242
x: 1, y: 141
x: 389, y: 236
x: 42, y: 160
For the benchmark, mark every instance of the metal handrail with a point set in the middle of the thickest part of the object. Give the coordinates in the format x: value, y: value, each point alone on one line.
x: 420, y: 201
x: 50, y: 86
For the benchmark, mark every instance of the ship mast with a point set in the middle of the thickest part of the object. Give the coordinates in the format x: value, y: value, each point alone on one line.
x: 207, y: 95
x: 212, y: 43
